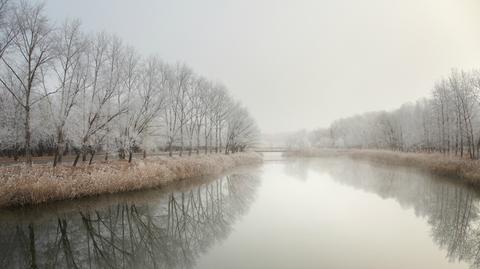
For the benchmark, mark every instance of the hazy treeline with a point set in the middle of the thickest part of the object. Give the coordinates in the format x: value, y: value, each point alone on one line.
x: 66, y: 91
x: 447, y: 122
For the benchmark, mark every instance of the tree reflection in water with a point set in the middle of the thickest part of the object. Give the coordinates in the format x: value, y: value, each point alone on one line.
x: 170, y: 233
x: 451, y: 209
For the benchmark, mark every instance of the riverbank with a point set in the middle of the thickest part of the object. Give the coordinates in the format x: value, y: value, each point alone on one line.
x: 435, y: 163
x: 20, y: 185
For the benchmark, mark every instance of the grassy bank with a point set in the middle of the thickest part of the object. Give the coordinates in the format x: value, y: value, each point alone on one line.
x: 20, y: 185
x: 435, y: 163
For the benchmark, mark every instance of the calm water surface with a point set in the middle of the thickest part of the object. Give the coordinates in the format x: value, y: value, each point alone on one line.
x: 296, y: 213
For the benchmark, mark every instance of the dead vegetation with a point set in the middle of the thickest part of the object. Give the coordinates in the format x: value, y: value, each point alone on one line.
x: 22, y: 185
x: 435, y: 163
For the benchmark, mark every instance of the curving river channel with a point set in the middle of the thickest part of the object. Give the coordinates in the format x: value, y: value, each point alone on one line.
x: 287, y: 213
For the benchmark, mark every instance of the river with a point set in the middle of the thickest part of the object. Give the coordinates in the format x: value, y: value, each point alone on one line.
x: 286, y: 213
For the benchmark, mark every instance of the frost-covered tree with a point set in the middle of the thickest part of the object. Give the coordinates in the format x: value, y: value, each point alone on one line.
x: 145, y: 102
x: 96, y: 109
x: 69, y: 66
x: 8, y: 28
x: 65, y: 92
x: 447, y: 122
x: 242, y: 130
x: 30, y: 52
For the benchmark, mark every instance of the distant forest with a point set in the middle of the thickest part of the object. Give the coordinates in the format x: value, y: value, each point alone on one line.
x: 447, y: 122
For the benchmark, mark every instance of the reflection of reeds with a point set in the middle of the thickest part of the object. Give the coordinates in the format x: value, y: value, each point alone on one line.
x: 22, y: 185
x: 438, y: 164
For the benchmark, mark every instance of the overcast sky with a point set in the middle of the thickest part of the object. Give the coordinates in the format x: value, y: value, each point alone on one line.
x: 299, y: 64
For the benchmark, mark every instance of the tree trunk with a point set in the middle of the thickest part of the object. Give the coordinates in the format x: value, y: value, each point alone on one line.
x: 216, y: 138
x: 211, y: 140
x: 91, y: 157
x: 76, y: 160
x: 181, y: 141
x: 198, y: 140
x: 191, y: 145
x: 55, y: 158
x: 170, y: 153
x: 59, y: 150
x: 28, y: 149
x: 206, y: 137
x: 220, y: 138
x: 130, y: 154
x: 15, y: 153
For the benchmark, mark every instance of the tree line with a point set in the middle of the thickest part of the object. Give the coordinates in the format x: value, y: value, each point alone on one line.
x: 447, y: 122
x: 64, y: 91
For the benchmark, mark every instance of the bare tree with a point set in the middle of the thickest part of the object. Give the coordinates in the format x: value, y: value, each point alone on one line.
x: 202, y: 90
x: 447, y: 122
x: 8, y: 29
x: 221, y: 102
x: 69, y: 67
x: 68, y: 91
x: 96, y: 97
x: 176, y: 112
x: 241, y: 130
x: 31, y: 51
x: 131, y: 83
x: 197, y: 111
x: 147, y: 102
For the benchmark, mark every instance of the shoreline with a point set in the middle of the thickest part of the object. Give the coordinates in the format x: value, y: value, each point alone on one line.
x: 450, y: 166
x: 143, y: 197
x: 22, y: 186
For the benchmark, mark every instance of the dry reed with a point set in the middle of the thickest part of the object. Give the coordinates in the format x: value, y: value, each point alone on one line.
x: 21, y: 185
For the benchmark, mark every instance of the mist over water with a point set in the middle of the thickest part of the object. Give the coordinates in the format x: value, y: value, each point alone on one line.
x: 302, y: 213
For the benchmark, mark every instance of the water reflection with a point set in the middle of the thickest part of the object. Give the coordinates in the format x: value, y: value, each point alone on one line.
x: 304, y: 214
x: 161, y: 230
x: 451, y: 209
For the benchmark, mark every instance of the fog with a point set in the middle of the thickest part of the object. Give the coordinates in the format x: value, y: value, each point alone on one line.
x: 299, y: 64
x: 269, y: 133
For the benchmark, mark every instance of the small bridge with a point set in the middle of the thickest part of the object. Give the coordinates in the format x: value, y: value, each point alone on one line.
x: 270, y: 149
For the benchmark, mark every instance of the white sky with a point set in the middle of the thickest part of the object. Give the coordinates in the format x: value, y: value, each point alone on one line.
x: 299, y: 63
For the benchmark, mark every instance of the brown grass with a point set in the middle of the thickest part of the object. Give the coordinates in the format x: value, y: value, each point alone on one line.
x: 20, y: 185
x: 435, y: 163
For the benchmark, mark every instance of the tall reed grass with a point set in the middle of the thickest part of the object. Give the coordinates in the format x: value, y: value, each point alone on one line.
x: 21, y: 185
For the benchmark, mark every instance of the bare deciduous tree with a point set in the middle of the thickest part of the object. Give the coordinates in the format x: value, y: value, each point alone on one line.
x: 88, y: 93
x: 32, y: 51
x: 69, y: 67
